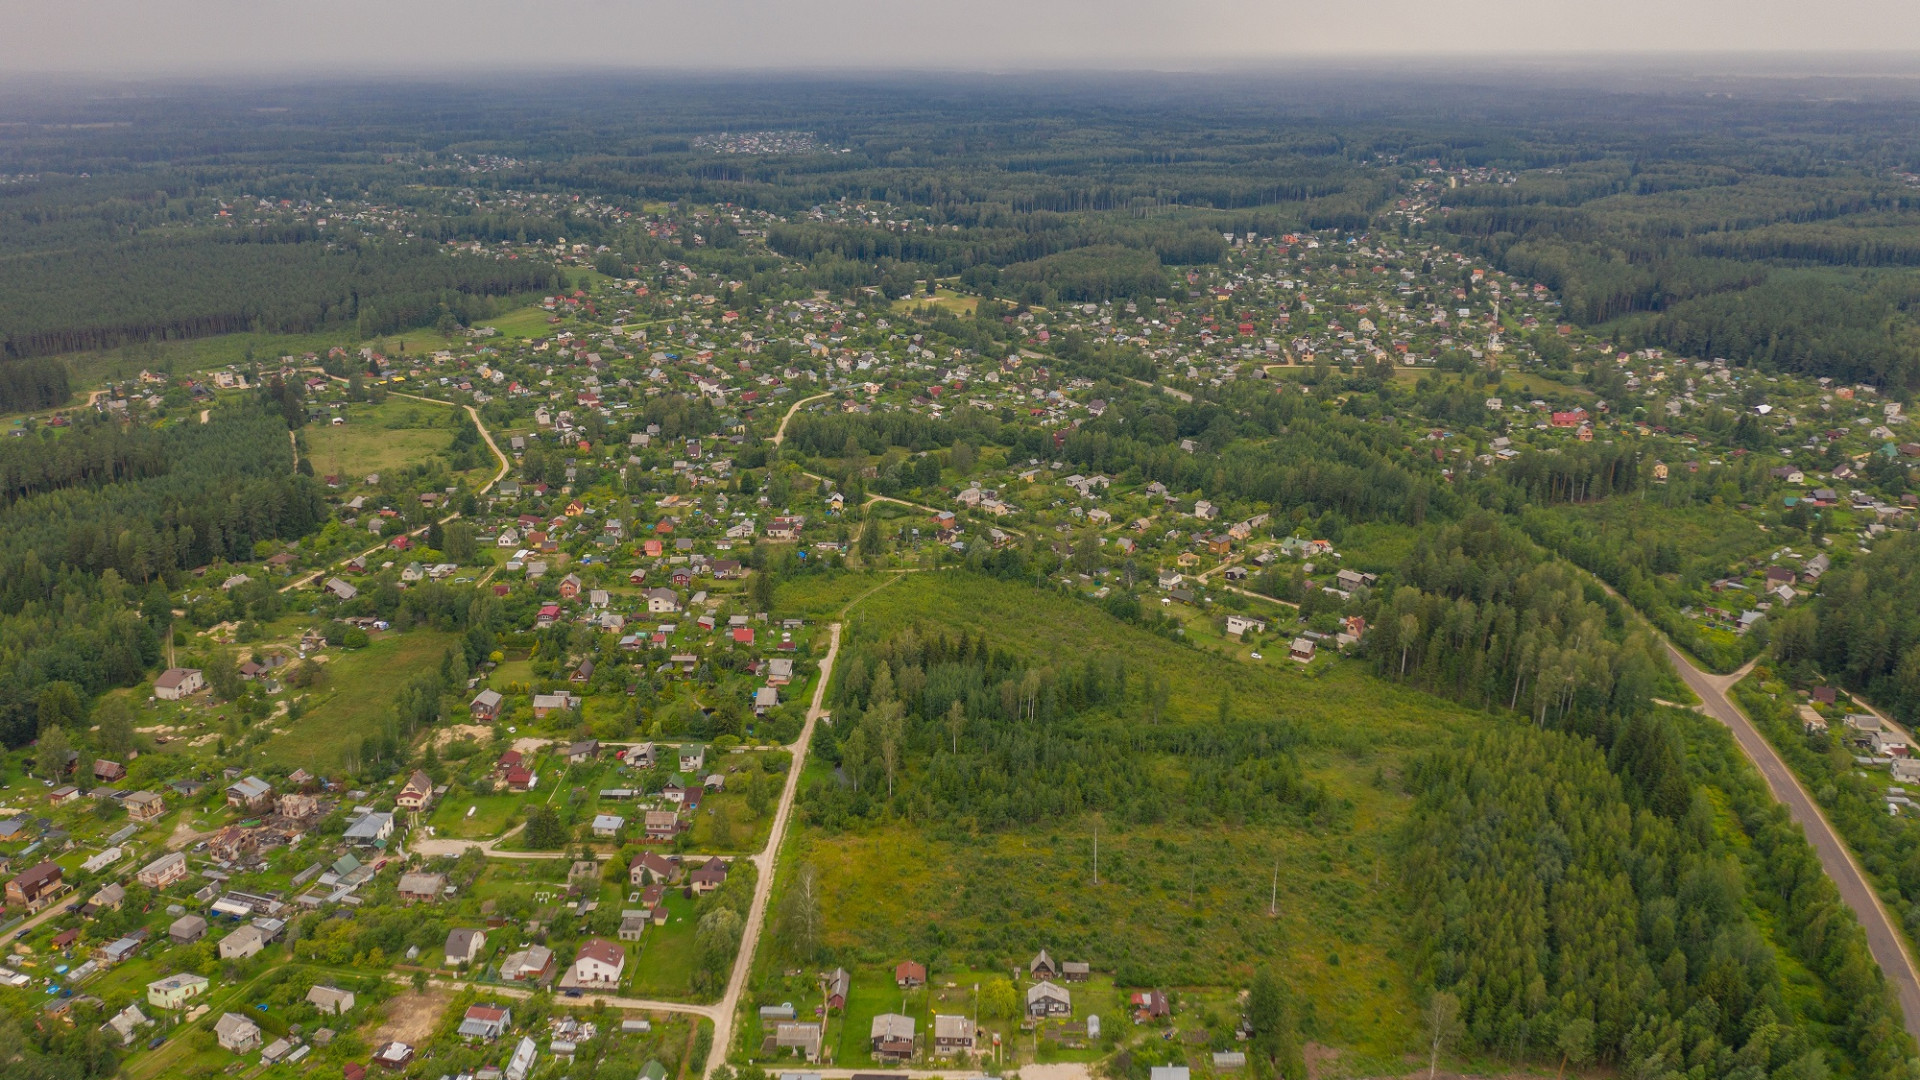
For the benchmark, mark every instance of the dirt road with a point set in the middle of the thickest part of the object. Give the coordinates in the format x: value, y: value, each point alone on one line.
x: 780, y: 436
x: 1883, y: 939
x: 764, y: 862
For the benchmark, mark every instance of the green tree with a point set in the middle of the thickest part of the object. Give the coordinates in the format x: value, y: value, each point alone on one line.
x: 50, y: 756
x: 113, y: 720
x: 545, y: 831
x: 998, y: 1000
x: 58, y: 705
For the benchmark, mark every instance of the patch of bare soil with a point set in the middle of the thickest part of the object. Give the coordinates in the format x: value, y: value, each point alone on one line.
x: 411, y: 1017
x: 447, y: 736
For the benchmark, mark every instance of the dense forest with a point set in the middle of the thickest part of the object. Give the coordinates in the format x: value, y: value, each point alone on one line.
x: 98, y: 516
x: 1584, y: 904
x: 193, y: 286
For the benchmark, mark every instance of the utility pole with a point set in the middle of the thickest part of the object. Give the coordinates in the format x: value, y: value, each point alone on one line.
x: 1096, y: 851
x: 1273, y: 900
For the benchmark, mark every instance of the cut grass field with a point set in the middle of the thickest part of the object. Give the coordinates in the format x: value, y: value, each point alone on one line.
x: 944, y: 298
x: 356, y: 699
x: 382, y: 438
x: 1184, y: 903
x: 526, y: 322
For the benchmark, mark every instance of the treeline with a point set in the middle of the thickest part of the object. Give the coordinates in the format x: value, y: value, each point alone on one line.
x: 1580, y: 902
x: 942, y: 729
x: 103, y: 296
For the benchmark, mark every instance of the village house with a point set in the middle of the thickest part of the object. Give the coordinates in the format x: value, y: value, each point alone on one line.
x: 1045, y: 999
x: 126, y: 1024
x: 1043, y: 966
x: 237, y: 1033
x: 187, y: 929
x: 416, y: 887
x: 890, y: 1037
x: 648, y: 868
x: 662, y: 826
x: 839, y: 985
x: 176, y: 683
x: 242, y: 943
x: 370, y: 830
x: 174, y: 991
x: 953, y: 1035
x: 545, y: 704
x: 907, y: 974
x: 599, y: 963
x: 163, y: 871
x: 251, y: 794
x: 485, y: 706
x: 464, y: 945
x: 801, y: 1038
x: 485, y: 1023
x: 36, y: 887
x: 330, y: 1000
x: 533, y: 964
x: 417, y: 793
x: 144, y: 805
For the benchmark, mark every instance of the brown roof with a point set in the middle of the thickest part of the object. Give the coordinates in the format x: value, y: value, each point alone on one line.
x: 604, y: 951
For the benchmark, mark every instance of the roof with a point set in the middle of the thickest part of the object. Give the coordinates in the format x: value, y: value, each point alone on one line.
x: 891, y: 1026
x: 604, y: 951
x: 173, y: 677
x: 419, y: 884
x: 1046, y: 989
x: 233, y: 1024
x: 250, y: 788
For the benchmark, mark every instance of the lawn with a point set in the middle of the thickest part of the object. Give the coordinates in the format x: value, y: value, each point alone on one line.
x: 667, y: 954
x: 356, y: 698
x: 382, y: 438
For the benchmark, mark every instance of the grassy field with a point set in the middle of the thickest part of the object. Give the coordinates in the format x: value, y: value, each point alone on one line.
x: 526, y: 322
x: 820, y: 597
x: 356, y: 699
x: 1199, y: 906
x: 944, y: 298
x: 667, y: 954
x: 381, y: 438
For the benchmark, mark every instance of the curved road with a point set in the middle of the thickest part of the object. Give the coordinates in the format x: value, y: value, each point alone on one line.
x: 1883, y: 939
x: 780, y: 436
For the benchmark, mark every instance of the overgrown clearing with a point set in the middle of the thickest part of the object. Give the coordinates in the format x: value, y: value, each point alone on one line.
x: 1183, y: 902
x: 355, y: 700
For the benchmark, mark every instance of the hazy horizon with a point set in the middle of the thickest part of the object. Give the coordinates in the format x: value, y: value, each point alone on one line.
x: 144, y: 38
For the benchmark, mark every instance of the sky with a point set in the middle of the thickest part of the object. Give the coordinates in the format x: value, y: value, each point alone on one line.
x: 214, y: 37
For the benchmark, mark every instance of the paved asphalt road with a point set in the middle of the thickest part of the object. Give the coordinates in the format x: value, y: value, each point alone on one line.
x: 1882, y: 937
